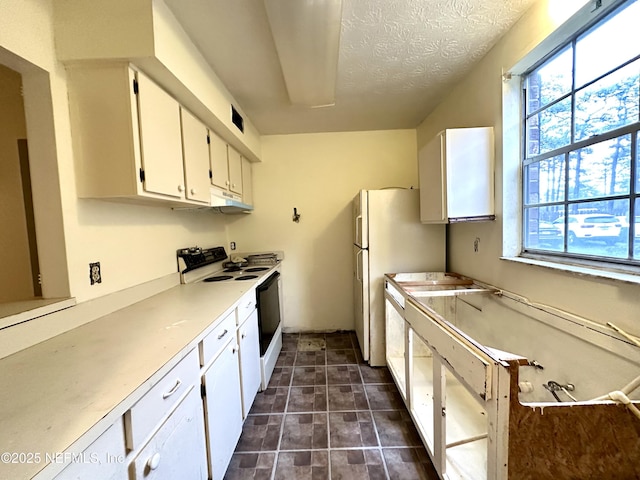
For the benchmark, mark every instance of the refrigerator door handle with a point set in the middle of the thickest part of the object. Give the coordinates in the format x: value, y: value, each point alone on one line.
x: 358, y: 265
x: 358, y: 239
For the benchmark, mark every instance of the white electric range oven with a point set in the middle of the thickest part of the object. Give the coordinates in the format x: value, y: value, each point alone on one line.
x: 211, y: 265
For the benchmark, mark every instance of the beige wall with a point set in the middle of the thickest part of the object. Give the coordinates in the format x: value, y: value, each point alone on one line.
x: 319, y: 174
x: 477, y: 101
x: 15, y: 275
x: 134, y: 244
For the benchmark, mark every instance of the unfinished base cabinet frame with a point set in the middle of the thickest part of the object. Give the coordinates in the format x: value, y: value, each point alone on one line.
x: 454, y: 399
x: 464, y: 398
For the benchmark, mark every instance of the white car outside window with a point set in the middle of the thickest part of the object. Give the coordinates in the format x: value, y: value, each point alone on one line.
x: 597, y: 226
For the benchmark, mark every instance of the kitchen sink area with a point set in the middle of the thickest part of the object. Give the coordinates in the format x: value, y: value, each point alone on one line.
x: 500, y: 387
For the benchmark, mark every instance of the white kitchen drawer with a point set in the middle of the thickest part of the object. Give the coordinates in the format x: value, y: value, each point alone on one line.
x: 177, y: 450
x: 147, y: 413
x: 246, y: 305
x: 213, y: 343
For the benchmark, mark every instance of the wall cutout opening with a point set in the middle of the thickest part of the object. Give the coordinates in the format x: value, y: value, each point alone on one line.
x: 237, y: 119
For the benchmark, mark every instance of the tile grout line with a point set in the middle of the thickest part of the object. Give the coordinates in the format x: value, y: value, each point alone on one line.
x: 375, y: 429
x: 276, y: 457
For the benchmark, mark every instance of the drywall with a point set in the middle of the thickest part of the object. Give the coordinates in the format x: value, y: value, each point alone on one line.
x: 134, y: 244
x: 477, y: 101
x: 319, y: 174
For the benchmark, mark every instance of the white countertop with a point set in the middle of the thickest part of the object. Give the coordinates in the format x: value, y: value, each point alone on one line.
x: 54, y: 392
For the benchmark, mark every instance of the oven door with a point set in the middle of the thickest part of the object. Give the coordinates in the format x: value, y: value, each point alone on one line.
x: 268, y: 304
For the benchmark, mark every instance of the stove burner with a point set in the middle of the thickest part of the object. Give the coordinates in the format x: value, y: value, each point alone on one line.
x: 246, y: 277
x: 232, y: 269
x: 257, y: 269
x: 217, y: 278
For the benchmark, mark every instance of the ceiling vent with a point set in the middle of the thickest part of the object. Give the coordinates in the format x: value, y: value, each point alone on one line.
x: 237, y: 119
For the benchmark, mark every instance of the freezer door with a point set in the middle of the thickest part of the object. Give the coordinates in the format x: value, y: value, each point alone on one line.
x: 360, y: 224
x: 361, y: 298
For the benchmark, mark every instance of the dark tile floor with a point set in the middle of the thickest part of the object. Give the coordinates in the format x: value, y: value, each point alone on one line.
x: 328, y: 415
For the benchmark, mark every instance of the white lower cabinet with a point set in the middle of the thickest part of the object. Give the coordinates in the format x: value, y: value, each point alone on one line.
x: 395, y: 345
x: 149, y: 411
x: 104, y: 459
x: 448, y: 391
x: 165, y: 428
x: 249, y: 361
x: 177, y: 449
x: 223, y: 408
x: 187, y: 425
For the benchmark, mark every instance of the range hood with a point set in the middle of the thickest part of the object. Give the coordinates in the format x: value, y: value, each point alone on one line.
x: 228, y: 202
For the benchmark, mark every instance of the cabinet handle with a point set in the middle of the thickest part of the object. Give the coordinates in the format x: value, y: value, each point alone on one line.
x: 243, y: 335
x: 226, y: 182
x: 193, y: 191
x: 223, y: 334
x: 154, y: 461
x: 249, y: 304
x: 234, y: 350
x: 181, y: 188
x: 173, y: 390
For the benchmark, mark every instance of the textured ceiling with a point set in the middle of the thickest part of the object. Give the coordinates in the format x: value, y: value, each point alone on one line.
x: 397, y: 58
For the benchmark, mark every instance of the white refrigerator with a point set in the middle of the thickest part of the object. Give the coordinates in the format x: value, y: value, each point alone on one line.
x: 387, y: 238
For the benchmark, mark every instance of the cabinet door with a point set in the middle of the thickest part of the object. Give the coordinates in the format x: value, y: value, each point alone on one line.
x: 470, y: 182
x: 249, y: 361
x: 160, y: 139
x: 219, y: 163
x: 235, y: 171
x: 223, y: 409
x: 433, y: 194
x: 177, y: 449
x: 247, y: 182
x: 195, y: 152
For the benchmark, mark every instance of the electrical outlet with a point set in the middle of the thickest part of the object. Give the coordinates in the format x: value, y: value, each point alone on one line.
x: 232, y: 245
x: 95, y: 276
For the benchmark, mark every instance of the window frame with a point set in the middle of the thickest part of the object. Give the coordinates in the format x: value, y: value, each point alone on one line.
x: 633, y: 130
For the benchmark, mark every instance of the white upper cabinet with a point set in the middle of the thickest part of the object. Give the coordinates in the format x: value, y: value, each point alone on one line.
x: 235, y: 170
x: 219, y: 163
x: 195, y: 150
x: 230, y: 171
x: 128, y: 138
x: 457, y: 177
x: 247, y: 182
x: 160, y: 139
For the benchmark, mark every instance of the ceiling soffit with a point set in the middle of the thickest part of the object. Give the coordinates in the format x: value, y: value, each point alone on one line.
x: 397, y: 59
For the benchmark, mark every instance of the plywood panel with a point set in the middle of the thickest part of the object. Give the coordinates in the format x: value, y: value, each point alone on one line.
x: 569, y: 441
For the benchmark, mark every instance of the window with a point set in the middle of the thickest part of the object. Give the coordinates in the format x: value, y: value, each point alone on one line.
x: 581, y: 165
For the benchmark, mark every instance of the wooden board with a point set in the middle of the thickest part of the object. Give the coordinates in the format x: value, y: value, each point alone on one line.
x: 571, y: 441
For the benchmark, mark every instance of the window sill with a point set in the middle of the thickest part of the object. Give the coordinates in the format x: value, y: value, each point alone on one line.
x: 632, y: 275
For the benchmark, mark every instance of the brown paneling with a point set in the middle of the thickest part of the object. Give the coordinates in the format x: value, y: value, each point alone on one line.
x: 568, y: 441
